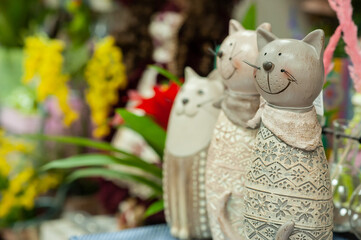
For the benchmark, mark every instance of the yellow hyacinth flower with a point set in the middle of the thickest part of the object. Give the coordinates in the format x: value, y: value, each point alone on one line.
x: 24, y: 184
x: 8, y: 147
x: 43, y: 67
x: 36, y: 187
x: 9, y: 197
x: 6, y: 203
x: 17, y: 183
x: 105, y: 75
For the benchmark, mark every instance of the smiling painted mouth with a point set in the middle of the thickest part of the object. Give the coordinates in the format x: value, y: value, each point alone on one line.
x: 234, y: 71
x: 199, y: 105
x: 269, y: 87
x: 229, y: 77
x: 185, y: 113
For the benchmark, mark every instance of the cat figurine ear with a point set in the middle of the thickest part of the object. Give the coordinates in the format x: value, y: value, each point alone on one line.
x: 214, y: 75
x: 189, y: 73
x: 317, y: 40
x: 264, y: 37
x: 266, y: 26
x: 234, y: 26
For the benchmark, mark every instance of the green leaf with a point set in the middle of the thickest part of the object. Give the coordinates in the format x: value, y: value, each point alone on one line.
x: 79, y: 161
x: 348, y: 183
x: 114, y: 174
x: 154, y: 208
x: 249, y: 20
x: 326, y: 84
x: 76, y: 58
x: 166, y: 74
x: 145, y: 126
x: 87, y: 160
x: 331, y: 112
x: 84, y: 142
x: 11, y: 69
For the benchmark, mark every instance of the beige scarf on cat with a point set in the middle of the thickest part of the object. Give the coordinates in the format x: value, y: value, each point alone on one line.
x: 239, y: 108
x: 300, y: 130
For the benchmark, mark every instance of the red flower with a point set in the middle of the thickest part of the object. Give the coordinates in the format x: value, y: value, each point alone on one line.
x: 160, y: 105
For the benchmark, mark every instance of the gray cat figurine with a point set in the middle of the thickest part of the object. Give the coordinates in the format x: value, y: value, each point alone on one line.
x: 288, y: 192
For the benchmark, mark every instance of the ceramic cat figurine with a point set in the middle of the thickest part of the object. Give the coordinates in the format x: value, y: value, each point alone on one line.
x: 288, y: 192
x: 189, y: 133
x: 231, y: 148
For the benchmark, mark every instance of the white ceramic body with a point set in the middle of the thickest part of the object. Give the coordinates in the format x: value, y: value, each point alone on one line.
x: 231, y: 147
x: 189, y: 133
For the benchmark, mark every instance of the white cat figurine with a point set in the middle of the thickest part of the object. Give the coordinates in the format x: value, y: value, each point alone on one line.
x: 288, y: 192
x: 189, y: 133
x: 230, y: 152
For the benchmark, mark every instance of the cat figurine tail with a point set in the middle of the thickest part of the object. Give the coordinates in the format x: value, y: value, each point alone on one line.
x: 283, y: 232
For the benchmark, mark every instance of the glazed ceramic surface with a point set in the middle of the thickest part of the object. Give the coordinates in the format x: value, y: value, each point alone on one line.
x: 190, y: 128
x: 288, y: 192
x: 284, y: 184
x: 231, y: 147
x: 228, y: 160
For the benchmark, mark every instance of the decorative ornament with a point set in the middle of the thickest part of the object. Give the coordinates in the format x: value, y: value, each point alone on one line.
x: 288, y: 191
x: 189, y: 133
x: 230, y: 151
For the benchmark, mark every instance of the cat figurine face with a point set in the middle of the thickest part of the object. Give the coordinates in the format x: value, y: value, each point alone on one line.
x: 240, y: 45
x: 290, y: 72
x: 193, y: 117
x: 196, y: 92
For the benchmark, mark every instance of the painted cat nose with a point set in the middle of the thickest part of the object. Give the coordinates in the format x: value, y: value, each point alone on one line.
x: 268, y: 66
x: 220, y: 54
x: 185, y: 101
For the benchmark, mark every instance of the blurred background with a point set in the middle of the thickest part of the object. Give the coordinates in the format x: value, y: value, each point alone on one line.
x: 86, y: 87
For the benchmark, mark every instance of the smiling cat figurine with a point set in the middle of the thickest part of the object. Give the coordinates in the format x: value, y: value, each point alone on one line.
x: 189, y: 133
x: 288, y: 192
x: 230, y: 152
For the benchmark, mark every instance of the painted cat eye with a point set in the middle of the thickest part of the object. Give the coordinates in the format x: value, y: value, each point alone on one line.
x: 265, y: 53
x: 200, y: 92
x: 279, y: 54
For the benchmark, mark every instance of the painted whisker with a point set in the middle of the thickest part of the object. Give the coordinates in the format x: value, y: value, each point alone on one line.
x: 290, y: 78
x: 252, y: 65
x: 212, y: 52
x: 205, y: 102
